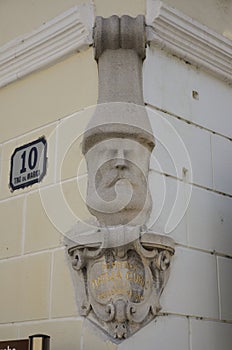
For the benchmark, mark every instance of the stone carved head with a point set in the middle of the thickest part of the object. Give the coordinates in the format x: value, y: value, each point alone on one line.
x: 119, y: 270
x: 117, y: 146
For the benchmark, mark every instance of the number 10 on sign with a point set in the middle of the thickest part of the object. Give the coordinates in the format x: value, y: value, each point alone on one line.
x: 28, y: 164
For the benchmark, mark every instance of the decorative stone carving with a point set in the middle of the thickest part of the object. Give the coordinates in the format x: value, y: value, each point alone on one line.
x: 119, y: 269
x: 120, y: 287
x: 119, y: 131
x: 117, y: 188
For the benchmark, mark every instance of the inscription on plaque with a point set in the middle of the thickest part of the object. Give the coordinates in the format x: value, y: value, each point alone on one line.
x: 28, y: 164
x: 111, y: 277
x: 119, y: 277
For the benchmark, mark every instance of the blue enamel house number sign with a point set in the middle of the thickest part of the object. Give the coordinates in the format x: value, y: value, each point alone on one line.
x: 28, y: 164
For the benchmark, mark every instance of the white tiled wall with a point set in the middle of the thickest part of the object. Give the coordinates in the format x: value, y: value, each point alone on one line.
x: 222, y: 163
x: 169, y: 83
x: 192, y: 286
x: 210, y: 221
x: 209, y: 335
x: 168, y: 193
x: 197, y: 143
x: 200, y: 283
x: 225, y: 287
x: 162, y: 334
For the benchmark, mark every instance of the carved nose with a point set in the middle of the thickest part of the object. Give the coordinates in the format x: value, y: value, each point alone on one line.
x: 120, y: 161
x: 120, y: 164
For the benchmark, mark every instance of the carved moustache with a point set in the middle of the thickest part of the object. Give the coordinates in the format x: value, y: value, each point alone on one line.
x: 114, y: 176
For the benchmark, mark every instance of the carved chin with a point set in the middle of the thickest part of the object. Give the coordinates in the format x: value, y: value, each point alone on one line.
x: 135, y: 213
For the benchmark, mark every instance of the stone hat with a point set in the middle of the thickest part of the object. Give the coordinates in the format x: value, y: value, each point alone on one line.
x: 118, y: 120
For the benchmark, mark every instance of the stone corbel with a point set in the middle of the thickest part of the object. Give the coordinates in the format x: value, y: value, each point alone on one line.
x: 119, y: 269
x: 119, y: 288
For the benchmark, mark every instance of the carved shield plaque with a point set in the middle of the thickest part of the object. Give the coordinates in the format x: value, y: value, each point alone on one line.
x: 121, y: 286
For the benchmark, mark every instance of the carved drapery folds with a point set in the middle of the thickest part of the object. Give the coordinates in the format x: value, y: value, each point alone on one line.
x: 119, y: 269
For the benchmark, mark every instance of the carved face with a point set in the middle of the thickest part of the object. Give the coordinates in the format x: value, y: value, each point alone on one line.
x: 117, y: 187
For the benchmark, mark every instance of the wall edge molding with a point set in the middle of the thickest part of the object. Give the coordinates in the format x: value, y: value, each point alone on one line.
x: 56, y: 39
x: 70, y: 32
x: 180, y: 35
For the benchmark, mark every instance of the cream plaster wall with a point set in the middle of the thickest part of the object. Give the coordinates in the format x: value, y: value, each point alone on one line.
x: 12, y: 13
x: 36, y: 290
x: 215, y: 14
x: 48, y: 95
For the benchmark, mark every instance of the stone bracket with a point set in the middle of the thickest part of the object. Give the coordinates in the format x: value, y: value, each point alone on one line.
x: 120, y: 33
x: 121, y: 286
x: 120, y: 270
